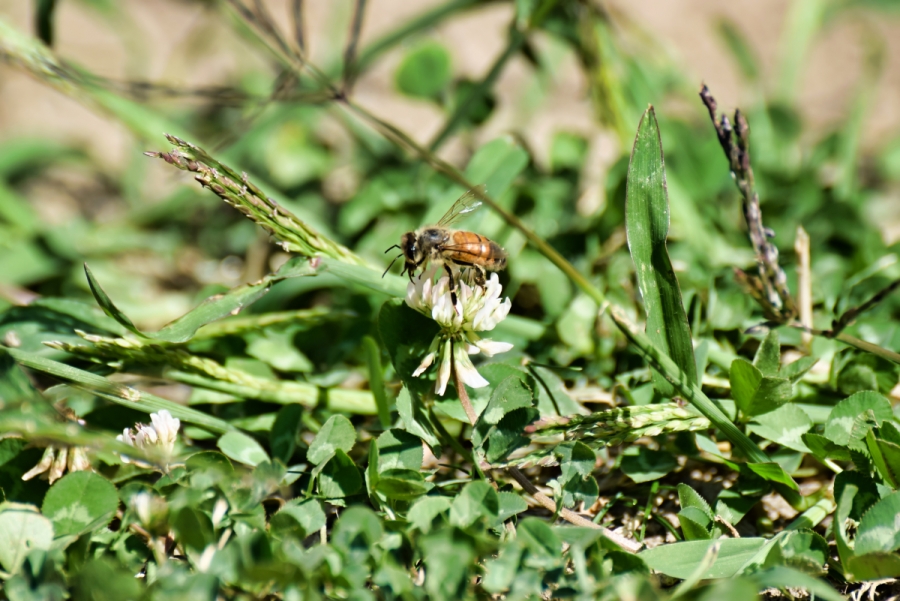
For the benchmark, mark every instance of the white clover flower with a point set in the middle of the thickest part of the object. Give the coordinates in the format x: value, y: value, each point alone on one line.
x: 55, y: 462
x: 162, y: 434
x: 478, y: 309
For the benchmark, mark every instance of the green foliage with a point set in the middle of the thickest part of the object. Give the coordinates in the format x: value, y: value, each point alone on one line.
x: 311, y: 462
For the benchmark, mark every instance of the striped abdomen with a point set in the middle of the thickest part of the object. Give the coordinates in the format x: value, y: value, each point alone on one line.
x: 469, y: 248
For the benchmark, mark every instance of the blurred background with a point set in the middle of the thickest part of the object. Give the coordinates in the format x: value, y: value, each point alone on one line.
x: 819, y: 79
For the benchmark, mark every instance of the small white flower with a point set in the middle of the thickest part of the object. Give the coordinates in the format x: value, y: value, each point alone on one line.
x: 162, y: 434
x: 54, y: 463
x: 478, y: 309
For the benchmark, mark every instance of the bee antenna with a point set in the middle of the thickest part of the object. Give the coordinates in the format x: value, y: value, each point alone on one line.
x: 392, y: 264
x: 389, y: 248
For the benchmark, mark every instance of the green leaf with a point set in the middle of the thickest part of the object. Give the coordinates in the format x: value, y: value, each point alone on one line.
x: 359, y: 527
x: 107, y: 305
x: 823, y: 448
x: 425, y: 71
x: 402, y: 484
x: 647, y: 224
x: 787, y: 578
x: 242, y: 448
x: 733, y: 505
x: 477, y: 500
x: 502, y: 570
x: 768, y: 356
x: 425, y: 510
x: 506, y: 437
x: 755, y: 393
x: 577, y: 462
x: 399, y: 449
x: 208, y: 468
x: 889, y: 453
x: 773, y: 472
x: 283, y: 435
x: 511, y: 394
x: 416, y: 419
x: 679, y: 560
x: 193, y: 529
x: 873, y: 566
x: 878, y: 459
x: 22, y: 530
x: 694, y: 523
x: 448, y: 555
x: 80, y: 502
x: 802, y: 550
x: 741, y: 51
x: 299, y: 519
x: 340, y: 477
x: 643, y: 465
x: 407, y: 336
x: 849, y: 420
x: 511, y: 504
x: 15, y: 387
x: 540, y: 540
x: 785, y: 425
x: 336, y: 434
x: 797, y: 369
x: 878, y: 530
x: 854, y: 493
x: 688, y: 497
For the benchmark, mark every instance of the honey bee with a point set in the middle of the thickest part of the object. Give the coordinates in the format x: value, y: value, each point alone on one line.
x: 448, y: 247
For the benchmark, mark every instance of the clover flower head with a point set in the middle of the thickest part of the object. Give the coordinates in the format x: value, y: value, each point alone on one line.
x: 55, y: 461
x: 478, y: 309
x: 162, y: 434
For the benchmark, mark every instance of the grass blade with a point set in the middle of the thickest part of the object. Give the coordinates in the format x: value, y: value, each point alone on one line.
x: 647, y: 225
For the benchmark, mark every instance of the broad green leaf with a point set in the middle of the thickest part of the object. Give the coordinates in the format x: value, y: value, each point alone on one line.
x: 208, y: 468
x: 511, y: 504
x: 242, y: 448
x: 194, y: 529
x: 694, y: 523
x: 688, y: 497
x: 340, y: 477
x: 402, y: 484
x: 797, y: 369
x: 22, y: 529
x: 755, y: 393
x: 425, y: 510
x: 299, y: 519
x: 890, y: 456
x: 878, y: 529
x: 773, y: 472
x: 802, y: 550
x: 643, y: 465
x: 577, y: 462
x: 679, y: 560
x: 823, y: 448
x: 873, y: 566
x: 283, y: 435
x: 785, y: 425
x: 768, y: 356
x: 448, y: 555
x: 425, y: 71
x: 502, y: 570
x: 506, y: 437
x: 540, y: 540
x: 647, y: 224
x: 407, y: 335
x: 336, y: 434
x: 849, y: 420
x: 477, y: 500
x: 733, y: 589
x: 854, y: 494
x: 80, y: 502
x: 416, y: 419
x: 399, y: 449
x: 511, y: 394
x: 875, y: 447
x: 357, y: 526
x: 733, y: 505
x: 786, y: 578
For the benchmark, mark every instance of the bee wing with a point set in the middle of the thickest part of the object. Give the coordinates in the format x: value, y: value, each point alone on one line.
x: 466, y: 203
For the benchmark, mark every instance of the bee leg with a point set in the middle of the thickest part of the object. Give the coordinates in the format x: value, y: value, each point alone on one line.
x: 480, y: 275
x: 452, y: 283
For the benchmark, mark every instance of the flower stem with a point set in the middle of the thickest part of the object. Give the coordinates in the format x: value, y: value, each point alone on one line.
x: 461, y: 390
x: 569, y: 515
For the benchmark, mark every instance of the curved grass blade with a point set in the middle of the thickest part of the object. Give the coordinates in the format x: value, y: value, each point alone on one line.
x: 118, y: 393
x: 647, y: 225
